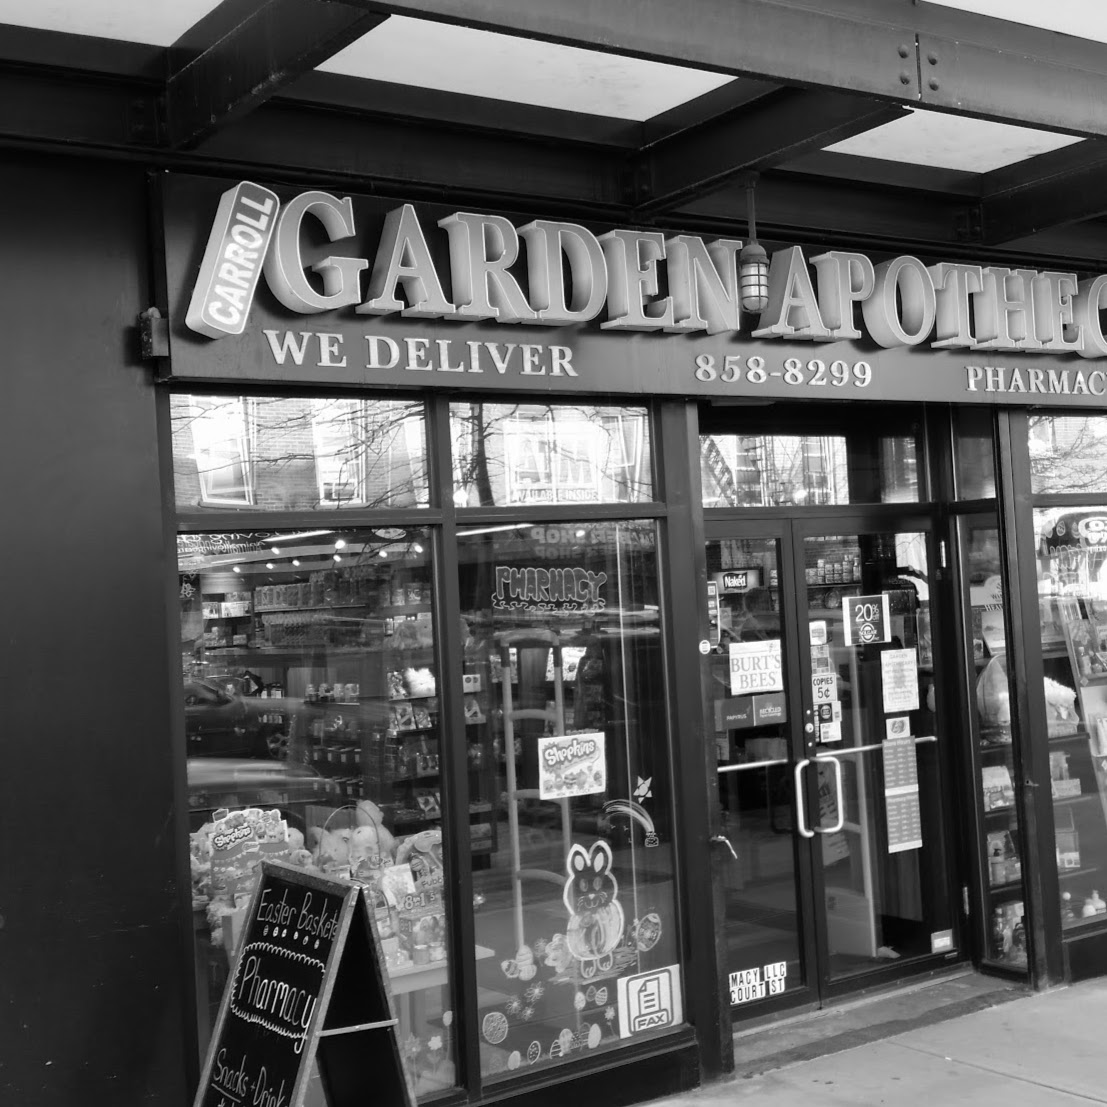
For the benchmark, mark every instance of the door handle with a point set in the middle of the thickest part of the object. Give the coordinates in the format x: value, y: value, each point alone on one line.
x: 801, y: 825
x: 723, y: 840
x: 841, y: 798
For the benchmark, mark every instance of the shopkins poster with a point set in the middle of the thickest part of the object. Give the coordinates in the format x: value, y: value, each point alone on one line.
x: 571, y: 765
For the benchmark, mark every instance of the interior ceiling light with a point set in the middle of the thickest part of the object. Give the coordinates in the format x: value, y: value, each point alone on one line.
x: 340, y: 544
x: 270, y: 565
x: 300, y: 534
x: 276, y: 549
x: 470, y: 531
x: 338, y: 557
x: 235, y: 569
x: 296, y: 561
x: 416, y: 547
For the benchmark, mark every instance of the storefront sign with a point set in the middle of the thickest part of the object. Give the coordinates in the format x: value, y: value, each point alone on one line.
x: 734, y: 714
x: 571, y: 765
x: 756, y: 667
x: 713, y: 612
x: 738, y: 580
x: 303, y: 933
x: 649, y: 1001
x: 824, y: 688
x: 900, y: 680
x: 750, y: 984
x: 865, y: 619
x: 260, y: 289
x: 903, y: 817
x: 768, y: 710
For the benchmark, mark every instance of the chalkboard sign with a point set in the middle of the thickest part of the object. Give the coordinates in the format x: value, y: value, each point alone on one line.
x: 307, y: 985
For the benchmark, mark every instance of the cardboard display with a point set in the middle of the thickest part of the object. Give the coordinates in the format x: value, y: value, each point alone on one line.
x: 307, y: 985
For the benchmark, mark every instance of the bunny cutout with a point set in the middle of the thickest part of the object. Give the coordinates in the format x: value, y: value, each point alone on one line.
x: 596, y: 920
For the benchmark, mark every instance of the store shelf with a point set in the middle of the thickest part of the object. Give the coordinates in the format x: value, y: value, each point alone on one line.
x: 312, y: 607
x: 1080, y: 735
x: 1067, y: 801
x: 1064, y: 874
x: 1091, y: 922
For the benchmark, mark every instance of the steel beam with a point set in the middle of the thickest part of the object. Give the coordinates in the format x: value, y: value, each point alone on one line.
x: 269, y: 47
x: 768, y: 39
x: 963, y: 62
x: 1054, y: 190
x: 1035, y: 85
x: 787, y: 125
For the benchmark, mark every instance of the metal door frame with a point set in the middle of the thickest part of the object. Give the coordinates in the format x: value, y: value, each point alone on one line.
x: 789, y: 530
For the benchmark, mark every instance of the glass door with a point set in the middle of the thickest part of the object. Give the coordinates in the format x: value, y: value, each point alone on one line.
x: 885, y: 884
x: 820, y: 684
x: 761, y: 858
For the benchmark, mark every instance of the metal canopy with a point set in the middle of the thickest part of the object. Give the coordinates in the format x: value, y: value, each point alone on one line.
x: 240, y: 92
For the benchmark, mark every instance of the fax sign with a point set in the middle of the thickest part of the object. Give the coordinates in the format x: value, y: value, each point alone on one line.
x: 866, y: 619
x: 649, y: 1001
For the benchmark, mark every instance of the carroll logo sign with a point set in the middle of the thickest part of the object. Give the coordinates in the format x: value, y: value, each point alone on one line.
x: 554, y: 274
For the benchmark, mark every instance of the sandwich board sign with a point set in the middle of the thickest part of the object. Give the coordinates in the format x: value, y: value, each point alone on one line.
x: 307, y: 985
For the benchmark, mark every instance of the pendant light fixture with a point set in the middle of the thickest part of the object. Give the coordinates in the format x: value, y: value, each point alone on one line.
x: 753, y: 262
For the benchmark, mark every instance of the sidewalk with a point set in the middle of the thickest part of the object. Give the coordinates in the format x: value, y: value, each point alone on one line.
x: 1046, y: 1050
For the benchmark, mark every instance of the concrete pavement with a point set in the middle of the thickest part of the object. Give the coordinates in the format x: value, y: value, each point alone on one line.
x: 1038, y: 1050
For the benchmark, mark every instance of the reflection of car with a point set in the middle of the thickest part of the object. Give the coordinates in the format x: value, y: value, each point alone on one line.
x: 246, y: 782
x: 219, y: 723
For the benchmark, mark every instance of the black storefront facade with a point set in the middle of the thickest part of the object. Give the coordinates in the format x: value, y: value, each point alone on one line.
x: 657, y: 677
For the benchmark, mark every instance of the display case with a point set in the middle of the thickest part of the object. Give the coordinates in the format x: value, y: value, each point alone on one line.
x: 1001, y: 859
x: 1073, y: 622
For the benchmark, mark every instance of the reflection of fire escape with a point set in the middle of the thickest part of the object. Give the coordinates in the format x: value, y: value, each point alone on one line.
x: 742, y: 484
x: 716, y: 464
x: 815, y: 477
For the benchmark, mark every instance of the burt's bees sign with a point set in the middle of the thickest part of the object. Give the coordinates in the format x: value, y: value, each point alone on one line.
x: 315, y: 287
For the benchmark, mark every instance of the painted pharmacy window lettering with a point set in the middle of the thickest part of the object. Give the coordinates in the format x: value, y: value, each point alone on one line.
x: 297, y: 454
x: 576, y: 942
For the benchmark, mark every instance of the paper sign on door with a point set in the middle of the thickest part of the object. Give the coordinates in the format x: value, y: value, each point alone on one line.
x: 756, y: 667
x: 824, y: 688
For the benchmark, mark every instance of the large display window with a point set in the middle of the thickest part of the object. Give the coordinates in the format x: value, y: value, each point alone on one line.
x: 315, y: 736
x: 576, y: 937
x: 1072, y: 603
x: 319, y: 729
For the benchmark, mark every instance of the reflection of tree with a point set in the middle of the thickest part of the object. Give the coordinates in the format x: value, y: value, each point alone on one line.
x: 600, y: 452
x: 362, y: 445
x: 1068, y: 453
